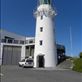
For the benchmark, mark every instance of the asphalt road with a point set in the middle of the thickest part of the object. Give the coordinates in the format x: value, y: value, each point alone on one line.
x: 18, y: 74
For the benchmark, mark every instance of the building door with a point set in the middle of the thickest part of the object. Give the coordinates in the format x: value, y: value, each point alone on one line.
x: 41, y: 61
x: 11, y: 55
x: 16, y: 55
x: 6, y: 57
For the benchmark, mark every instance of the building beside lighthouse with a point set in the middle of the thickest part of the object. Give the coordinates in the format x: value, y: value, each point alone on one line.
x: 45, y: 54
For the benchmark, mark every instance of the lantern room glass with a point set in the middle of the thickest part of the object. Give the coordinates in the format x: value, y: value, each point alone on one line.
x: 44, y: 2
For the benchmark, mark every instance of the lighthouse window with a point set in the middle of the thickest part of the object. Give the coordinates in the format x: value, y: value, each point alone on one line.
x: 41, y: 29
x: 41, y: 17
x: 41, y: 42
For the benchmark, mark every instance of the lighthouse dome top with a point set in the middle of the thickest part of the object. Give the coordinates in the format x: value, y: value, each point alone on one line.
x: 44, y: 5
x: 44, y: 2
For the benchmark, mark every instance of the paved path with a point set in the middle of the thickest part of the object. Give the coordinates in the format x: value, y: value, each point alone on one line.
x: 17, y: 74
x: 67, y: 64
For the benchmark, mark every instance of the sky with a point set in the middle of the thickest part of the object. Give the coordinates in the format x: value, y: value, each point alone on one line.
x: 17, y: 16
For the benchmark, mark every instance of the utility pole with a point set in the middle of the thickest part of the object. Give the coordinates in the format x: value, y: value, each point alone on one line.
x: 71, y: 44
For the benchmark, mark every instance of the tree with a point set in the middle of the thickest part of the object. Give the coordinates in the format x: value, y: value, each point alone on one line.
x: 77, y: 65
x: 80, y: 54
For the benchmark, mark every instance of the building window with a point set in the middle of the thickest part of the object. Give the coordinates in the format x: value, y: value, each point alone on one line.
x: 26, y: 41
x: 41, y: 29
x: 41, y: 17
x: 16, y: 41
x: 3, y: 40
x: 10, y: 41
x: 21, y: 42
x: 41, y: 42
x: 31, y: 41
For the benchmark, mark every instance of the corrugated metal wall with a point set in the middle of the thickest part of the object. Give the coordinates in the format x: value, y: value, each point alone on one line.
x: 11, y: 55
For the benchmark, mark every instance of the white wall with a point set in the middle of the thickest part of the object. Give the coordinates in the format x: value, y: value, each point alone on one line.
x: 48, y: 48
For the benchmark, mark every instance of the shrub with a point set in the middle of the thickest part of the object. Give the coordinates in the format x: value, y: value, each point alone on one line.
x: 77, y: 65
x: 80, y: 55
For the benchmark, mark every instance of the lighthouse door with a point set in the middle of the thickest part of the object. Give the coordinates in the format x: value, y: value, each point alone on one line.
x: 41, y: 61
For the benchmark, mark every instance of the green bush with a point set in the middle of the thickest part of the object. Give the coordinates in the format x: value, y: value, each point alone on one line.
x: 77, y: 65
x: 80, y: 55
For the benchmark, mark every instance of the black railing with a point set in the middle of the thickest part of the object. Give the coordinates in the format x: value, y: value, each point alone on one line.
x: 17, y: 41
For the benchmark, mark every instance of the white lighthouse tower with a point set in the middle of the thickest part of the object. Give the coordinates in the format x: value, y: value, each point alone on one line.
x: 45, y: 46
